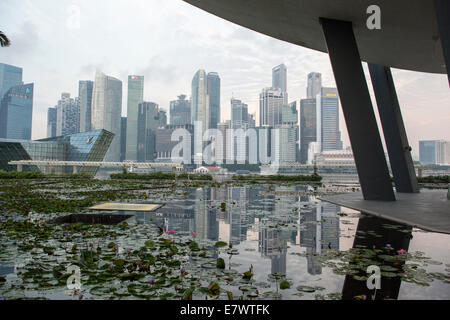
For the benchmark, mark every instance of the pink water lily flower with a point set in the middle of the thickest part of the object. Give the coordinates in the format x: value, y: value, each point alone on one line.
x: 194, y: 233
x: 401, y: 251
x: 171, y: 232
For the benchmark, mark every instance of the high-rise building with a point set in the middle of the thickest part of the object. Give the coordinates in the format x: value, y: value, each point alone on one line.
x: 107, y: 109
x: 180, y: 111
x: 239, y: 114
x: 200, y: 100
x: 271, y: 101
x: 85, y: 88
x: 224, y: 128
x: 123, y: 138
x: 16, y: 111
x: 148, y: 123
x: 135, y: 96
x: 279, y: 78
x: 330, y: 134
x: 10, y: 76
x: 251, y: 120
x: 213, y: 91
x: 308, y: 127
x: 67, y: 115
x: 284, y: 145
x: 51, y: 122
x: 314, y: 85
x: 434, y: 152
x: 162, y: 117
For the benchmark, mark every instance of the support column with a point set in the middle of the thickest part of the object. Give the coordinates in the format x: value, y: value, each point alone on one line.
x: 394, y: 130
x: 358, y: 110
x: 75, y: 170
x: 19, y: 168
x: 442, y: 8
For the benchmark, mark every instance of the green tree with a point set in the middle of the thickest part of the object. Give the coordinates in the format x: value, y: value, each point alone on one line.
x: 4, y: 41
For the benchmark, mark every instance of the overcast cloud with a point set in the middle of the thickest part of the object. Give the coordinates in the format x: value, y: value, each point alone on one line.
x: 168, y: 41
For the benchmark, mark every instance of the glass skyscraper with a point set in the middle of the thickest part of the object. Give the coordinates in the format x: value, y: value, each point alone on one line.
x: 308, y: 127
x: 51, y: 122
x: 314, y: 85
x: 200, y: 100
x: 148, y: 122
x: 123, y: 138
x: 16, y: 111
x: 10, y: 76
x: 434, y: 152
x: 135, y: 96
x: 271, y: 101
x: 213, y: 91
x: 330, y: 134
x: 239, y: 114
x: 107, y: 110
x: 180, y: 111
x: 279, y: 78
x: 85, y: 88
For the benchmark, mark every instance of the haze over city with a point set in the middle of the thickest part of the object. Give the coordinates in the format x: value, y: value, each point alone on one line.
x: 167, y: 42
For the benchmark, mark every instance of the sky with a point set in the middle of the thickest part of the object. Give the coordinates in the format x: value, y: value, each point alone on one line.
x: 59, y: 42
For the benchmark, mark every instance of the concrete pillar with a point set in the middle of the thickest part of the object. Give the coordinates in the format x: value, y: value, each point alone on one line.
x: 442, y: 8
x: 394, y: 129
x: 358, y: 110
x: 75, y: 170
x: 19, y: 168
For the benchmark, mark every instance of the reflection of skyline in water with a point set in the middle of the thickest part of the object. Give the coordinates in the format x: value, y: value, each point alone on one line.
x: 200, y: 211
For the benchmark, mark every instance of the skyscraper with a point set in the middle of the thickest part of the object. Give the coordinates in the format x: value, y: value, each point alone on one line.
x: 330, y: 134
x: 213, y: 91
x: 308, y: 127
x: 67, y: 115
x: 180, y: 111
x: 200, y: 100
x: 239, y: 114
x: 135, y: 96
x: 85, y: 88
x: 107, y: 109
x: 148, y: 123
x: 271, y: 102
x: 51, y: 122
x: 16, y: 111
x: 10, y: 76
x: 279, y: 78
x: 314, y: 85
x: 123, y: 138
x: 162, y: 118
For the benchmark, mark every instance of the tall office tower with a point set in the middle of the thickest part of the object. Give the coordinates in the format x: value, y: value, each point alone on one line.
x: 85, y: 88
x: 135, y: 96
x: 434, y: 152
x: 199, y: 112
x: 314, y: 85
x: 239, y: 114
x: 279, y: 79
x: 271, y: 102
x: 107, y: 109
x: 239, y: 120
x: 213, y: 91
x: 165, y: 145
x: 283, y: 145
x: 123, y: 138
x: 251, y: 120
x: 308, y: 127
x: 330, y: 134
x: 67, y: 115
x: 162, y: 117
x: 200, y: 100
x: 51, y: 122
x: 148, y: 123
x: 289, y: 116
x: 180, y: 111
x: 10, y: 76
x: 224, y: 128
x: 16, y: 111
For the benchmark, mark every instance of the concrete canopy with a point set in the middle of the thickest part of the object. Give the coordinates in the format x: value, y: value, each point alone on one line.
x: 408, y: 38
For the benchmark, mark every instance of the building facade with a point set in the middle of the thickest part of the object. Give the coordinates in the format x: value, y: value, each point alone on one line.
x: 180, y: 111
x: 51, y: 122
x: 434, y: 152
x: 123, y: 138
x: 85, y: 88
x: 271, y: 102
x: 67, y: 115
x: 148, y: 123
x: 314, y: 85
x: 10, y: 76
x: 165, y: 145
x: 330, y: 134
x: 308, y: 127
x: 16, y: 111
x: 135, y: 96
x: 213, y: 92
x: 107, y: 109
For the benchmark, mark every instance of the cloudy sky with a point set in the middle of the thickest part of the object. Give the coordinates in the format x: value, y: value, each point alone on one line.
x: 59, y: 42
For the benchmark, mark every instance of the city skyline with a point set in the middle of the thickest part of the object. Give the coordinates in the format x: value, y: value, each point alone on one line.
x: 243, y: 59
